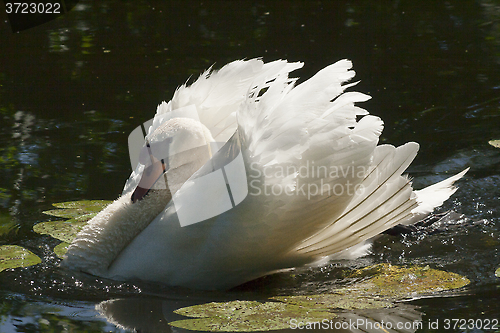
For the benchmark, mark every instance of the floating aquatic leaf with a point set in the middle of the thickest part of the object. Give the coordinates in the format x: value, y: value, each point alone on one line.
x: 61, y: 249
x: 13, y: 256
x: 66, y: 213
x: 344, y: 299
x: 62, y: 230
x: 215, y: 309
x: 380, y: 286
x: 495, y: 143
x: 74, y: 209
x: 246, y: 316
x: 79, y: 213
x: 399, y: 282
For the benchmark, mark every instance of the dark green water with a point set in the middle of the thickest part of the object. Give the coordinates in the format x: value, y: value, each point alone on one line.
x: 72, y: 90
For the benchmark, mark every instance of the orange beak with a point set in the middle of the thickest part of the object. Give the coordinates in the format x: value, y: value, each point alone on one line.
x: 149, y: 177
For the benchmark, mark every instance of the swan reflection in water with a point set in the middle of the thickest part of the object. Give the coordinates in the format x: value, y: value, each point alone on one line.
x: 153, y: 315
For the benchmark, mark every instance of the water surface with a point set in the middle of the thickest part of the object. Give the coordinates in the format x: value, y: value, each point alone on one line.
x: 71, y: 91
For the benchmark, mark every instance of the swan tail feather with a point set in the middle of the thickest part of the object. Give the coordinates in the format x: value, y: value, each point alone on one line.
x: 433, y: 196
x: 381, y: 209
x: 383, y: 199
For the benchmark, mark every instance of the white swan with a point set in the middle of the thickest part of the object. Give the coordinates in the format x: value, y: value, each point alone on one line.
x: 305, y: 178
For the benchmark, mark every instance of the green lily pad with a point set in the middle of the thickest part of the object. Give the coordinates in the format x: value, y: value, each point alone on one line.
x: 215, y: 309
x: 495, y: 143
x: 380, y: 286
x: 393, y: 281
x: 78, y: 212
x: 63, y: 230
x: 344, y: 299
x: 74, y: 209
x: 246, y: 316
x: 61, y: 249
x: 13, y: 256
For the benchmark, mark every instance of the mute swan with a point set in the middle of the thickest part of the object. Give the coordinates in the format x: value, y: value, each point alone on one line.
x: 302, y: 180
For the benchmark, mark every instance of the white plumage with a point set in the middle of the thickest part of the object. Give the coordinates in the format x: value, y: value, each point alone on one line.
x: 317, y: 184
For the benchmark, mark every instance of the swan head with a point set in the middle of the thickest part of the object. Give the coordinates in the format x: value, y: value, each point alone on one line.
x: 171, y: 154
